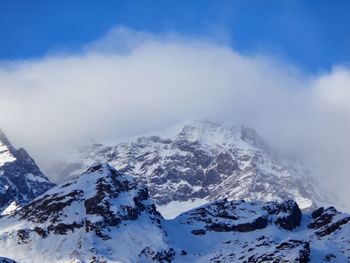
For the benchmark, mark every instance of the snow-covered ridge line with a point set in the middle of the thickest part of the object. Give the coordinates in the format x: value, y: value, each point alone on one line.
x: 106, y: 216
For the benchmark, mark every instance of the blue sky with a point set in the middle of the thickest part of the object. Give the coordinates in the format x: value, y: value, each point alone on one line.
x: 312, y: 34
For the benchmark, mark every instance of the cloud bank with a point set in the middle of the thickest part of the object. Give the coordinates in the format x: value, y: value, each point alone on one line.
x: 130, y: 83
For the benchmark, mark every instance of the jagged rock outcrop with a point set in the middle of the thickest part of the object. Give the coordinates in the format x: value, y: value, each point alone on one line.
x: 20, y: 178
x: 327, y: 221
x: 288, y: 215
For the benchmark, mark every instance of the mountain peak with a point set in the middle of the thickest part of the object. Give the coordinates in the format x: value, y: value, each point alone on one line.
x: 101, y: 167
x: 21, y: 179
x: 102, y: 206
x: 213, y: 132
x: 200, y: 161
x: 7, y: 151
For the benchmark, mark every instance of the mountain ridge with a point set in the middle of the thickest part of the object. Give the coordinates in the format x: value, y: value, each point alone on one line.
x: 202, y: 161
x: 104, y: 216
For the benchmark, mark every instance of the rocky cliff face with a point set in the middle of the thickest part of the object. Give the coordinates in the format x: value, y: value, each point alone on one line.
x: 106, y: 216
x: 203, y: 161
x: 20, y: 178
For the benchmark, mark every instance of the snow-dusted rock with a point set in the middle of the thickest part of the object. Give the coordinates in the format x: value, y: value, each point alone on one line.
x: 20, y: 178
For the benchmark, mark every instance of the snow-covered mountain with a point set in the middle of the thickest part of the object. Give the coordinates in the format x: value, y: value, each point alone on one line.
x: 105, y: 216
x: 20, y: 178
x: 99, y: 214
x: 203, y: 161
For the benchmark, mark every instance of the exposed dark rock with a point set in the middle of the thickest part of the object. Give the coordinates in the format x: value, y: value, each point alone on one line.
x: 322, y: 217
x: 62, y: 229
x: 333, y: 227
x: 198, y: 232
x: 258, y: 223
x: 329, y: 257
x: 23, y: 236
x: 282, y: 253
x: 48, y: 207
x: 317, y: 212
x: 41, y: 232
x: 288, y: 215
x: 157, y: 256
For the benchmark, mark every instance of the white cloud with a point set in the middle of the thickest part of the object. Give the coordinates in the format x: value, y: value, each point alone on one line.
x: 133, y: 82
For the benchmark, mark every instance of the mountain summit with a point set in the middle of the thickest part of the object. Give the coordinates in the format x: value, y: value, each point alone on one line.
x: 202, y: 161
x: 20, y: 178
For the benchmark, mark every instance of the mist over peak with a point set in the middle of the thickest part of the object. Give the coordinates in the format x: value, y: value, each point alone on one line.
x: 130, y: 83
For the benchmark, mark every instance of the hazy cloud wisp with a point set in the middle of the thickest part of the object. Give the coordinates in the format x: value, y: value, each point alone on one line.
x: 131, y: 82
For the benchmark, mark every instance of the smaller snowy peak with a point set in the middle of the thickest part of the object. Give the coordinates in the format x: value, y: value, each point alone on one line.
x: 84, y: 218
x: 6, y: 150
x: 11, y: 209
x: 20, y: 178
x: 101, y: 192
x: 4, y: 139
